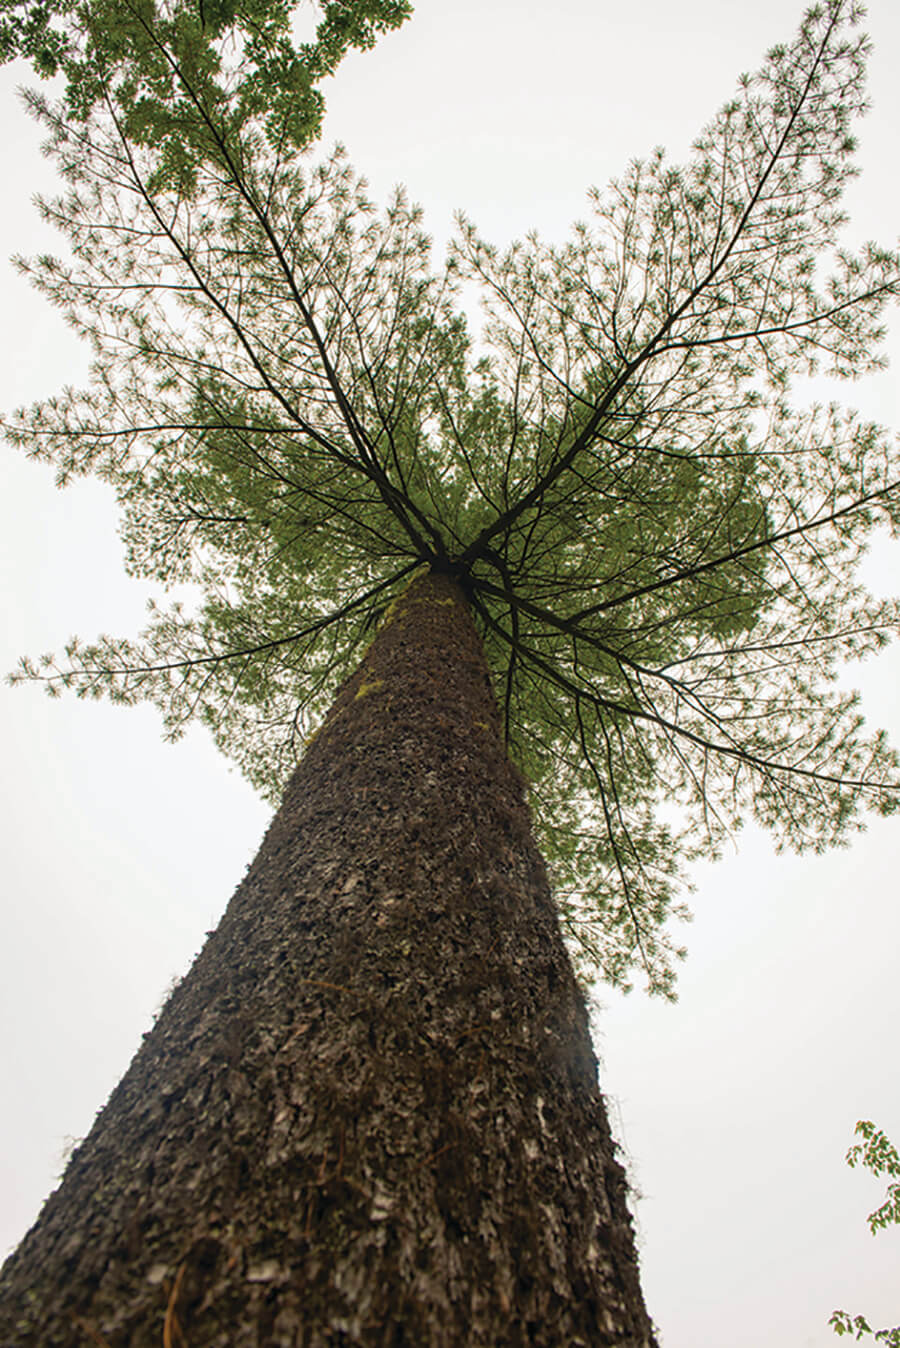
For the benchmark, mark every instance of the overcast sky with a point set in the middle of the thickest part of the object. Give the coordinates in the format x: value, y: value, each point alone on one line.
x: 736, y: 1105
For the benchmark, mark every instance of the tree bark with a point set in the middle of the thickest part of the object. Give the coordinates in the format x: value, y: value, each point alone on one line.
x: 369, y: 1115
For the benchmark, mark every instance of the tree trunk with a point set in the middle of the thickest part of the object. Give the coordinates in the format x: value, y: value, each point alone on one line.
x: 369, y: 1115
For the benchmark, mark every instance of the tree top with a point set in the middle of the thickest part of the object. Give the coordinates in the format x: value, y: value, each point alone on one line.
x: 659, y: 542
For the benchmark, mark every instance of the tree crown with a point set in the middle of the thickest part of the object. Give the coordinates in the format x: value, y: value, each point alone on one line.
x: 659, y: 545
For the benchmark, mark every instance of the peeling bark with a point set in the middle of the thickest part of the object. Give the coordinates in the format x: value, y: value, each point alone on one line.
x: 369, y: 1115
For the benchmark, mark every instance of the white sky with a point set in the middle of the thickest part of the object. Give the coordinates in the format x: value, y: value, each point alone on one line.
x: 119, y: 852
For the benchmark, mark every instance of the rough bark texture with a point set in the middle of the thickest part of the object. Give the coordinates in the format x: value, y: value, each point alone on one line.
x: 369, y: 1115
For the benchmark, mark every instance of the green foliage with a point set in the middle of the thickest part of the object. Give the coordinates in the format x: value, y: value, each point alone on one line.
x: 185, y: 77
x: 879, y: 1156
x: 660, y: 548
x: 858, y: 1325
x: 28, y: 29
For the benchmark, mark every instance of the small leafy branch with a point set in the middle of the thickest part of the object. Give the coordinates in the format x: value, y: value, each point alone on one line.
x: 880, y: 1156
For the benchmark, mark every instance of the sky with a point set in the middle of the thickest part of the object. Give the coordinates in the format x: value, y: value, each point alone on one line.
x: 734, y: 1106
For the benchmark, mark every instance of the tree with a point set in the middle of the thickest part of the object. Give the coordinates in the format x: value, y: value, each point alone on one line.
x: 603, y: 396
x: 879, y: 1156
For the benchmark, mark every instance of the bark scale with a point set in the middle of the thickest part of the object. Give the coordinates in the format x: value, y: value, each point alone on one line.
x: 369, y: 1115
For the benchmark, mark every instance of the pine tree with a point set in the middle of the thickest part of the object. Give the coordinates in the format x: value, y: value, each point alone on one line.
x: 659, y: 554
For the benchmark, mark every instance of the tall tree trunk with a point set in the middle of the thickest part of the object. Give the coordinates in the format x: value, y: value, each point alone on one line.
x: 369, y: 1115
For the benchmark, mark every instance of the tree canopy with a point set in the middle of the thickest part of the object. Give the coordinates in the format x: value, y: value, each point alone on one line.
x: 659, y: 541
x: 186, y: 76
